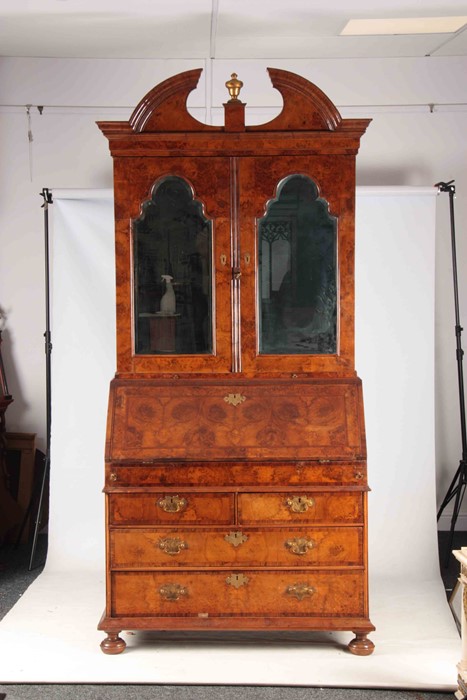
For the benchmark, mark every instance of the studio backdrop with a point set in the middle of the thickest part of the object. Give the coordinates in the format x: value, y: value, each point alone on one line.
x: 394, y: 357
x: 51, y: 635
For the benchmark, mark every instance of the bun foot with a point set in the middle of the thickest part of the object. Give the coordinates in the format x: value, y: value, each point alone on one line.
x: 113, y: 644
x: 360, y: 645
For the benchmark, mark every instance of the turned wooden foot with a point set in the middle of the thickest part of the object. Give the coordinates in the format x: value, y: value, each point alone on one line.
x: 360, y: 645
x: 113, y: 644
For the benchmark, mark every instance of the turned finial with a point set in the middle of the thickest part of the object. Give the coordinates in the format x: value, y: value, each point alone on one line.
x: 234, y: 85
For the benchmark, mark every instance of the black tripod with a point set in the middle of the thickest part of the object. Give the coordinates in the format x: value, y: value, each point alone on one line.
x: 458, y: 484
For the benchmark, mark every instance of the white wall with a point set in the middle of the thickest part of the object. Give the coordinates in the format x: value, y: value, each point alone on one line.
x: 408, y: 143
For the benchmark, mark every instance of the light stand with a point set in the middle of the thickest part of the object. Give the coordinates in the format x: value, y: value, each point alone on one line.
x: 47, y: 195
x: 459, y: 482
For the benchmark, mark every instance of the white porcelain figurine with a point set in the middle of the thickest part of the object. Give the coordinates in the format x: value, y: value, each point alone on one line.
x: 168, y: 299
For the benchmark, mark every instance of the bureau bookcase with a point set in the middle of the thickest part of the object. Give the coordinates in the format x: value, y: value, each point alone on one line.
x: 235, y: 481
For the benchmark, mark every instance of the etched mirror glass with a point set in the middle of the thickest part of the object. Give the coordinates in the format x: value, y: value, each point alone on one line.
x: 172, y: 242
x: 297, y: 244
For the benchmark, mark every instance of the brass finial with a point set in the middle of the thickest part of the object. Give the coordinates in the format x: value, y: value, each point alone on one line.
x: 234, y: 86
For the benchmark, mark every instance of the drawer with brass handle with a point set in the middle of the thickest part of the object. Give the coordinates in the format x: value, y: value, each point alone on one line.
x: 165, y: 508
x: 320, y: 507
x: 248, y: 592
x: 144, y: 548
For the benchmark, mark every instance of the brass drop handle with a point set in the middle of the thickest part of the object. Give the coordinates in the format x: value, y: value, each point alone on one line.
x: 299, y: 590
x: 172, y: 504
x: 299, y: 504
x: 173, y: 591
x: 299, y: 545
x: 172, y: 545
x: 113, y: 476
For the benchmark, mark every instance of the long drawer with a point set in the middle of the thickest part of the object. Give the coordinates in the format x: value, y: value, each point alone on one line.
x: 159, y: 508
x: 187, y: 474
x: 246, y: 593
x: 322, y: 507
x: 150, y: 548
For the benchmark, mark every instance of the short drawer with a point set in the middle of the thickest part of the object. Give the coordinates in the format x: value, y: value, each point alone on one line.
x: 167, y: 508
x: 247, y: 593
x: 320, y: 507
x: 151, y: 548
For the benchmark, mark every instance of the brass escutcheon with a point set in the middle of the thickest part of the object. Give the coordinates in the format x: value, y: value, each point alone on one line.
x: 299, y: 545
x: 172, y: 504
x: 247, y: 258
x: 299, y: 590
x: 173, y: 591
x: 223, y: 259
x: 237, y: 580
x: 234, y: 399
x: 299, y: 504
x: 236, y: 538
x: 172, y: 545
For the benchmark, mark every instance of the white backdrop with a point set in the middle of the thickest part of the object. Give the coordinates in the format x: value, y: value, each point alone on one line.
x: 394, y: 357
x: 416, y: 640
x: 83, y: 363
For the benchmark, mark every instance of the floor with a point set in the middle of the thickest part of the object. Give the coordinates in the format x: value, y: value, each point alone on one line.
x: 15, y: 579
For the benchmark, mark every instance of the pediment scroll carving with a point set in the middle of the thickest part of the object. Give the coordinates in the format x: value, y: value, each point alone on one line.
x: 164, y: 107
x: 306, y: 107
x: 164, y: 110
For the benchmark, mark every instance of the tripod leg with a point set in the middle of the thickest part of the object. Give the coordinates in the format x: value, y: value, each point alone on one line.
x: 450, y: 492
x: 39, y: 512
x: 455, y: 514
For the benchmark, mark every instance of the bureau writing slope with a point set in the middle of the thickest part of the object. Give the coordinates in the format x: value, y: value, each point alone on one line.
x: 235, y: 476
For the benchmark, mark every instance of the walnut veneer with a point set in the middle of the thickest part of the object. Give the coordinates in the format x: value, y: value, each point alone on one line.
x: 236, y: 483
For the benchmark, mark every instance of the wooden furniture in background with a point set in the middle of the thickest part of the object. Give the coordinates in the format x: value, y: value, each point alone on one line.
x: 5, y: 398
x: 20, y: 467
x: 10, y: 512
x: 236, y: 483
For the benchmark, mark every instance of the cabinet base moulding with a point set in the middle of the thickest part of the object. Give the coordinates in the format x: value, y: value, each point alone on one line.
x: 272, y: 627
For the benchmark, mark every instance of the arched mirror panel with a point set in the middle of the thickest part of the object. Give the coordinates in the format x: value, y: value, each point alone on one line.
x: 297, y: 289
x: 172, y: 244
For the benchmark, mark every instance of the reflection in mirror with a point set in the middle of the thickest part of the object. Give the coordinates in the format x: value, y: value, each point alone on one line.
x: 172, y: 241
x: 297, y: 242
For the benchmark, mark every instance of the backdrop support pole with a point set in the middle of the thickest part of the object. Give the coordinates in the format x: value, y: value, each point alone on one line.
x: 457, y: 488
x: 47, y: 196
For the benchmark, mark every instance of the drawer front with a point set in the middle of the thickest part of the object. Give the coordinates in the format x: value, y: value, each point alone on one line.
x: 144, y: 548
x: 170, y: 508
x: 182, y: 475
x: 246, y: 593
x: 321, y: 507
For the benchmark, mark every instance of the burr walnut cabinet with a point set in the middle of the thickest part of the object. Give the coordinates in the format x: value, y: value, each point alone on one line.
x: 235, y: 482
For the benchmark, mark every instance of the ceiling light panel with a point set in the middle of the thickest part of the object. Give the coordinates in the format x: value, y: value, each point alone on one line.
x: 404, y: 25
